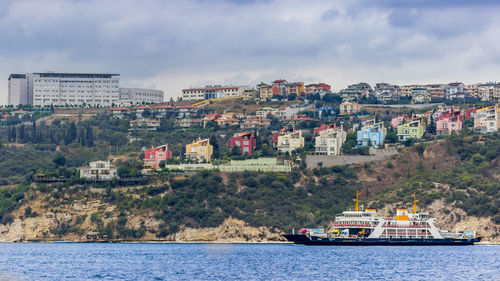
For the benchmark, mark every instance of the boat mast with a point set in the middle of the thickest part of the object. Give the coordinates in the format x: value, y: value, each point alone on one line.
x: 357, y: 201
x: 414, y: 203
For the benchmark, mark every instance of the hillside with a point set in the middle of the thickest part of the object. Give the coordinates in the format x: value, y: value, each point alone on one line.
x: 457, y: 179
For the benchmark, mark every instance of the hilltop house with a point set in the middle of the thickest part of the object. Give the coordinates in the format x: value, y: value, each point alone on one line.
x: 349, y: 107
x: 245, y: 141
x: 265, y: 91
x: 413, y: 128
x: 288, y: 140
x: 263, y: 112
x: 144, y: 125
x: 448, y: 122
x: 286, y: 112
x: 487, y: 119
x: 373, y: 133
x: 163, y: 109
x: 320, y: 88
x: 455, y: 90
x: 20, y: 113
x: 187, y: 122
x: 323, y: 127
x: 99, y: 170
x: 119, y: 112
x: 329, y: 141
x: 153, y: 156
x: 200, y: 150
x: 420, y: 95
x: 253, y: 122
x: 396, y: 121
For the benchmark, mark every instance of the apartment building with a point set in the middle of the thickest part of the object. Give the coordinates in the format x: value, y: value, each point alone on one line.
x: 296, y: 88
x: 65, y: 89
x: 140, y: 96
x: 265, y: 91
x: 19, y: 91
x: 213, y: 92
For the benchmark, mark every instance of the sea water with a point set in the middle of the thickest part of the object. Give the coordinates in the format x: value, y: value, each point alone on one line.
x: 121, y: 261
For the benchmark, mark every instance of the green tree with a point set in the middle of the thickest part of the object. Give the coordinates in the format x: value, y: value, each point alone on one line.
x: 391, y: 137
x: 214, y: 141
x: 59, y: 160
x: 89, y: 137
x: 235, y: 150
x: 124, y: 171
x: 71, y: 133
x: 349, y: 144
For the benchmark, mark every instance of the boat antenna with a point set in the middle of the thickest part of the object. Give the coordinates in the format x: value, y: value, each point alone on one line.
x: 414, y: 203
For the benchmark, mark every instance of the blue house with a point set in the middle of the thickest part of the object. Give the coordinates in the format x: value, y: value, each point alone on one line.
x: 326, y: 111
x: 374, y: 133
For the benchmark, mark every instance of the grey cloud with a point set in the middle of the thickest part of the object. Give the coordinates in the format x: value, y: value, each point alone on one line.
x: 144, y: 39
x: 330, y: 14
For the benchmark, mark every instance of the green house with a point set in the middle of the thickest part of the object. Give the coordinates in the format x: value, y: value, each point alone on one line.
x: 414, y: 128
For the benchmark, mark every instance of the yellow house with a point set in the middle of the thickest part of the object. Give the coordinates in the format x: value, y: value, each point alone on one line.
x: 349, y: 107
x: 288, y: 141
x: 296, y: 88
x: 199, y: 150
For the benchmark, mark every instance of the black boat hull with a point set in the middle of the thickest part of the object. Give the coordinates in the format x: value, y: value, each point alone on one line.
x: 305, y: 240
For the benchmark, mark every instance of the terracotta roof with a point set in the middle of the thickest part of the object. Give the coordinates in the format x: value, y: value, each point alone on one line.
x: 164, y: 106
x: 143, y: 107
x: 118, y: 109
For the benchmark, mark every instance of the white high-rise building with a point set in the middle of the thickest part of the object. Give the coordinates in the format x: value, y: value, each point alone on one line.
x: 140, y: 96
x: 63, y: 89
x: 19, y: 91
x: 213, y: 92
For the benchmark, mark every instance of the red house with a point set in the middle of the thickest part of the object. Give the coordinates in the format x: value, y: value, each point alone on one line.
x: 245, y: 141
x: 153, y: 156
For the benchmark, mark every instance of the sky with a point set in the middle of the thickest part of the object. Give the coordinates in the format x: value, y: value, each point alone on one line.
x: 173, y: 45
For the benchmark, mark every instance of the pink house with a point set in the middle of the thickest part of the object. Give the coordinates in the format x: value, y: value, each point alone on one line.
x: 399, y: 120
x: 245, y: 141
x: 153, y: 156
x: 449, y: 122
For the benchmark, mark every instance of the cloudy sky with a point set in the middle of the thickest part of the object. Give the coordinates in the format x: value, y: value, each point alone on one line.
x: 171, y: 45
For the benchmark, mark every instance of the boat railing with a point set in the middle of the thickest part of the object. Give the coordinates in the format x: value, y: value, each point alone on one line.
x: 399, y: 233
x: 405, y: 226
x: 353, y: 225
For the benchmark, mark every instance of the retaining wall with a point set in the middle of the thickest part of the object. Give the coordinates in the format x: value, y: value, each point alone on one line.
x: 342, y: 160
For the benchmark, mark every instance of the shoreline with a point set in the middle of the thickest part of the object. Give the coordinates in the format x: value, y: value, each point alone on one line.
x: 487, y: 243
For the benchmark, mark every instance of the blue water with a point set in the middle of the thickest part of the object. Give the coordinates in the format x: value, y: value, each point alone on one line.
x: 41, y: 261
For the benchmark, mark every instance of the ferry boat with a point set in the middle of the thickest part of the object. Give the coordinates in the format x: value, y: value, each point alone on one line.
x: 365, y: 228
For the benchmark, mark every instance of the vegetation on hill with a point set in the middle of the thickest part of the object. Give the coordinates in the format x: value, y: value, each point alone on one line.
x: 305, y: 197
x: 473, y: 182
